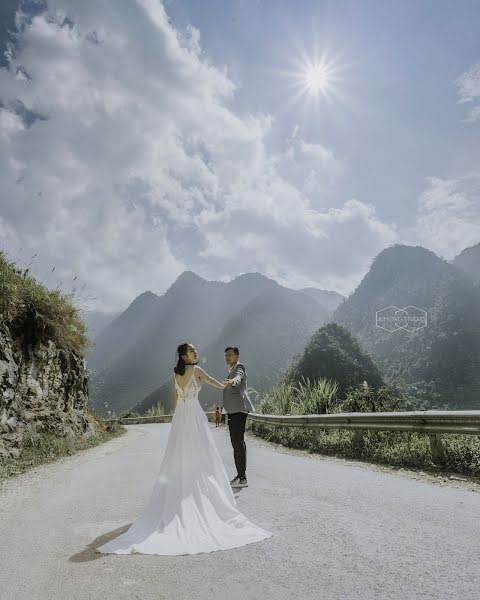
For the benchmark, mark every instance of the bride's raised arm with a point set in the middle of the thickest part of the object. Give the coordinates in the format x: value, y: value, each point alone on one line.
x: 211, y: 380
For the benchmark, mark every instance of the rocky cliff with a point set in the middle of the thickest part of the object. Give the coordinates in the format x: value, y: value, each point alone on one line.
x: 43, y: 388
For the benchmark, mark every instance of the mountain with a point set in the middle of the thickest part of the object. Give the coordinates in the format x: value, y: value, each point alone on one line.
x: 469, y: 262
x: 144, y: 355
x: 438, y: 363
x: 163, y: 396
x: 326, y: 298
x: 335, y: 354
x: 269, y: 331
x: 123, y: 331
x: 268, y: 322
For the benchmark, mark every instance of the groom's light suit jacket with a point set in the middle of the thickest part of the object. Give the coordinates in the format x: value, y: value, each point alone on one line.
x: 235, y: 397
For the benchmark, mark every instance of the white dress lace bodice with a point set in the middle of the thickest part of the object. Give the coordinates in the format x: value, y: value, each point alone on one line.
x: 190, y: 391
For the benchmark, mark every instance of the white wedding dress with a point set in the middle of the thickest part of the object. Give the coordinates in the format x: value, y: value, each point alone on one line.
x: 192, y: 507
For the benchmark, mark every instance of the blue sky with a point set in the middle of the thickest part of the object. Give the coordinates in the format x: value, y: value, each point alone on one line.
x: 140, y: 139
x: 399, y: 121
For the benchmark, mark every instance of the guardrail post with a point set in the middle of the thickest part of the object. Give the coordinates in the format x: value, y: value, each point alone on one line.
x: 436, y: 445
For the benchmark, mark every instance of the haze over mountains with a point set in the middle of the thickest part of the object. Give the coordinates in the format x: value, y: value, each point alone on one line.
x: 96, y: 321
x: 330, y: 300
x: 439, y: 363
x: 134, y: 356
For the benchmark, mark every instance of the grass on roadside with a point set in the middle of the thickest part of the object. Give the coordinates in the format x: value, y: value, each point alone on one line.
x: 393, y: 448
x: 41, y: 448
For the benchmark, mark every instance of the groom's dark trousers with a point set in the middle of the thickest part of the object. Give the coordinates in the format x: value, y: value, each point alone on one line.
x: 236, y: 426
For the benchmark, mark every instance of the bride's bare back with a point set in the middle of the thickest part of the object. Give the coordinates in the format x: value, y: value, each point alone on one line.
x: 193, y: 371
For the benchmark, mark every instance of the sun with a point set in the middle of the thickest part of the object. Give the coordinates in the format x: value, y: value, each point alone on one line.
x: 316, y: 78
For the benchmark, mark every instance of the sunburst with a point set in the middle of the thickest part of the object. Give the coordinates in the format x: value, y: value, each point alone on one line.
x: 315, y: 78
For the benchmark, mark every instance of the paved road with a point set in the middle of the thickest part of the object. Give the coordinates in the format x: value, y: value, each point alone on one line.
x: 341, y: 531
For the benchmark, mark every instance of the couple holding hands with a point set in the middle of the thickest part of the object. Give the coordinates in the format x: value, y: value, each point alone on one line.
x: 236, y: 400
x: 192, y: 507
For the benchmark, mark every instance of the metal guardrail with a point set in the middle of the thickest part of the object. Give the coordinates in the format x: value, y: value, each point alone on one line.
x: 424, y: 421
x: 140, y: 420
x: 431, y: 422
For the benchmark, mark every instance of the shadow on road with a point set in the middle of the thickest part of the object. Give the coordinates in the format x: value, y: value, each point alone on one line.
x: 90, y: 553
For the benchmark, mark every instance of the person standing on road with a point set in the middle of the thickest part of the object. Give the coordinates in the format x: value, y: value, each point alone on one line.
x: 237, y: 404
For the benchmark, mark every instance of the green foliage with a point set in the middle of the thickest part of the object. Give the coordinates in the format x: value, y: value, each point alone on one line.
x: 319, y: 397
x: 314, y: 397
x: 279, y: 400
x: 35, y: 313
x: 382, y: 399
x: 155, y: 411
x: 333, y: 353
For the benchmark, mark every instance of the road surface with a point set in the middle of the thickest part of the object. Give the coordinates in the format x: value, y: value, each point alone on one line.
x: 341, y: 530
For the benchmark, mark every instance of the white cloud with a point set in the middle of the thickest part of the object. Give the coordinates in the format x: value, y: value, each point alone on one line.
x: 468, y: 89
x: 311, y: 167
x: 448, y: 218
x: 140, y: 168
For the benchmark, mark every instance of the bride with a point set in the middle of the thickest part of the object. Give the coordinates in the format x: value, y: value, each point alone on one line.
x: 192, y: 507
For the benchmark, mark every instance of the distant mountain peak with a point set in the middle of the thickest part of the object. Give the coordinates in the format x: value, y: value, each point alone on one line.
x: 189, y: 276
x: 185, y: 282
x: 406, y: 251
x: 144, y: 298
x: 410, y: 261
x: 147, y: 294
x: 254, y: 276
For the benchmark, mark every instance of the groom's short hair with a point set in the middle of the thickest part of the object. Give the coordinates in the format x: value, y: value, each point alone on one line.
x: 234, y: 348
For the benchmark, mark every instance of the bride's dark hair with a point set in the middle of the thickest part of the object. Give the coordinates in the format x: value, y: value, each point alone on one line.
x: 181, y: 364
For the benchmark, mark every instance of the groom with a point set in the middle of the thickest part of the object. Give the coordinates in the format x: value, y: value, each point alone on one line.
x: 238, y: 405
